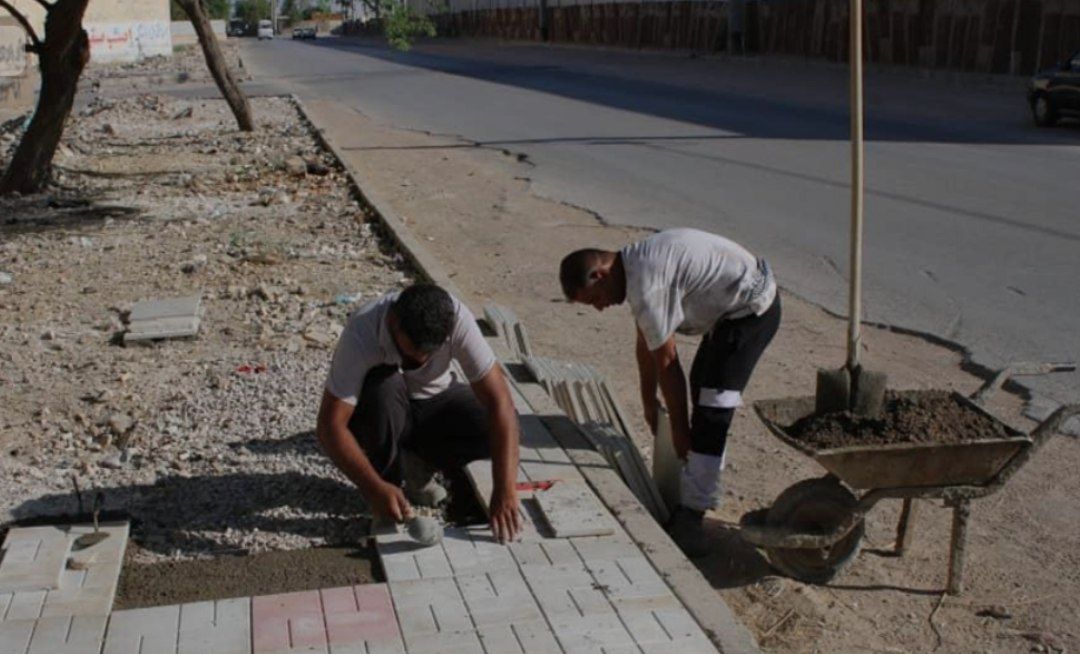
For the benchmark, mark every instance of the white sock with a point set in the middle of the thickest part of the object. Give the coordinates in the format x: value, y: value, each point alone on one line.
x: 699, y: 481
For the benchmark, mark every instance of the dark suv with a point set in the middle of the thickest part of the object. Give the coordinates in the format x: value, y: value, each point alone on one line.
x: 1056, y: 92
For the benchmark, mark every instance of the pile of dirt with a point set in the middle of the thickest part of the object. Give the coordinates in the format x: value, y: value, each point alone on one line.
x: 907, y: 417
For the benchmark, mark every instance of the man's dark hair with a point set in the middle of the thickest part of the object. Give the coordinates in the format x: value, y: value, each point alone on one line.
x: 425, y: 313
x: 576, y: 268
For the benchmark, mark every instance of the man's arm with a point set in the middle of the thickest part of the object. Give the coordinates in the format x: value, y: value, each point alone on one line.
x: 384, y: 498
x: 494, y: 393
x: 647, y: 377
x: 672, y: 381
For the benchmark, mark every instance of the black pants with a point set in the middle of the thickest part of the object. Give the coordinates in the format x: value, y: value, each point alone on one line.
x: 722, y: 368
x: 446, y: 431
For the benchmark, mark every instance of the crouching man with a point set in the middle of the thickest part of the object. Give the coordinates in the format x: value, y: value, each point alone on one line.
x: 391, y: 413
x: 691, y: 282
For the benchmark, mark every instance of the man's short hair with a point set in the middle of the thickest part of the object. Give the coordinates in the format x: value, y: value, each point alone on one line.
x: 577, y: 268
x: 425, y: 313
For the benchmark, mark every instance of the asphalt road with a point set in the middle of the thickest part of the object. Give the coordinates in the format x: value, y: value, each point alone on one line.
x: 973, y: 214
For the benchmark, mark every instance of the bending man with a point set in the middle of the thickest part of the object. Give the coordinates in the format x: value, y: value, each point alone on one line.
x: 391, y: 412
x: 691, y: 282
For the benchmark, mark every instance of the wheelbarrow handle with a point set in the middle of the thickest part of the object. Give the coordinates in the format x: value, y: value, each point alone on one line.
x: 992, y: 385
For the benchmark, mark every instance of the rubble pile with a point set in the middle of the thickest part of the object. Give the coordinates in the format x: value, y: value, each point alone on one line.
x: 206, y: 442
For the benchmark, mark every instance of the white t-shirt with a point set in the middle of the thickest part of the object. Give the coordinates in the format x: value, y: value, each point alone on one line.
x: 686, y: 280
x: 367, y: 342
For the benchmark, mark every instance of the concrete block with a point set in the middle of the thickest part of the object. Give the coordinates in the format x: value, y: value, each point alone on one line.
x: 289, y: 622
x: 361, y: 619
x: 79, y: 634
x: 15, y: 636
x: 216, y: 627
x: 499, y: 597
x: 24, y: 605
x: 444, y: 642
x: 571, y: 509
x: 174, y: 317
x: 429, y: 606
x: 604, y: 548
x: 519, y: 638
x: 474, y: 550
x: 143, y: 631
x: 33, y: 558
x: 84, y: 592
x: 403, y: 558
x: 593, y: 633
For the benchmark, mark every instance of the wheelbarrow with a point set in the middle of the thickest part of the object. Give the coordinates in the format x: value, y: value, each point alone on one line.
x: 815, y: 527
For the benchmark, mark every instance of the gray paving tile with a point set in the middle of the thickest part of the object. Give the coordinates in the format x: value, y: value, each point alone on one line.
x: 591, y: 633
x: 15, y: 636
x: 499, y: 597
x: 571, y: 509
x: 519, y: 638
x: 33, y: 558
x: 77, y: 634
x: 143, y: 631
x: 429, y: 606
x: 215, y: 627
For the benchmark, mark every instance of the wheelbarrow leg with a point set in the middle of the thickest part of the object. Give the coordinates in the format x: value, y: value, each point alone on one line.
x: 905, y: 528
x: 961, y: 513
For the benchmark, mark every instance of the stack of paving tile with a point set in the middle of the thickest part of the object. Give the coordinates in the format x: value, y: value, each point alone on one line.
x: 171, y: 318
x: 583, y: 395
x: 508, y: 328
x: 55, y: 596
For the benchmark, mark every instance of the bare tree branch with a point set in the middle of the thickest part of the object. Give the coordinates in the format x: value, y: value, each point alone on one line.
x: 24, y: 23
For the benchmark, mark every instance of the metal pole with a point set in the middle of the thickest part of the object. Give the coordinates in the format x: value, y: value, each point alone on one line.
x: 855, y: 290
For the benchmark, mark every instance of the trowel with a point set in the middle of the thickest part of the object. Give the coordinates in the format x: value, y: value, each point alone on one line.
x: 96, y: 536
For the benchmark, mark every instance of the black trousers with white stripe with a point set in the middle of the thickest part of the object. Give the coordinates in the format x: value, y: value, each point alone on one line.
x: 721, y: 370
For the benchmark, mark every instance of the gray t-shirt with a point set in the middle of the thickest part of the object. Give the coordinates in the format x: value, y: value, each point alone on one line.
x: 367, y: 342
x: 686, y: 280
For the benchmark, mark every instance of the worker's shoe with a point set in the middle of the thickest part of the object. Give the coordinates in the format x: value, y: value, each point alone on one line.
x: 688, y: 532
x: 421, y: 489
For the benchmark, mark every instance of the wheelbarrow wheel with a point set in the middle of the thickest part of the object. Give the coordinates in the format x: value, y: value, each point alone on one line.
x: 815, y: 505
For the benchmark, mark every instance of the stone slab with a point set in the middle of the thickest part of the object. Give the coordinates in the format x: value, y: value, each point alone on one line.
x: 288, y: 623
x: 73, y: 634
x: 143, y: 631
x: 361, y: 620
x: 428, y: 607
x: 215, y: 627
x: 168, y: 318
x: 571, y: 509
x: 519, y: 638
x: 500, y: 597
x: 33, y: 558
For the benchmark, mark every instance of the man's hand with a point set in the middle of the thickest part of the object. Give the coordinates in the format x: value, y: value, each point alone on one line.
x: 388, y: 501
x: 505, y: 516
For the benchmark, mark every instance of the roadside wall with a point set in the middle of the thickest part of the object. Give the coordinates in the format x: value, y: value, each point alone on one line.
x: 18, y: 69
x: 979, y: 36
x: 184, y: 34
x: 128, y: 30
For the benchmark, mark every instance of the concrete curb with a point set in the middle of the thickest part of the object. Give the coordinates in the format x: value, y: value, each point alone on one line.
x: 686, y: 581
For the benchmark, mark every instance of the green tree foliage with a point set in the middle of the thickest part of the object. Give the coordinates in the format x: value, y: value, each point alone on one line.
x: 252, y: 11
x: 401, y: 25
x: 215, y: 10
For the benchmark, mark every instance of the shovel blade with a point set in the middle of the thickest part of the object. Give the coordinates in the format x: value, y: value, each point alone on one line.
x: 833, y: 391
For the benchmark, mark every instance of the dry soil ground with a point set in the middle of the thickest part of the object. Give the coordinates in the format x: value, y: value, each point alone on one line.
x: 206, y: 443
x: 473, y: 207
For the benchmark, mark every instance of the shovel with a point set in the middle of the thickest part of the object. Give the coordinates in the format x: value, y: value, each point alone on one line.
x: 852, y: 388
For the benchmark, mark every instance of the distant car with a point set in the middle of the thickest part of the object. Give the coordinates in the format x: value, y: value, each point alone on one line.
x: 1055, y: 93
x: 304, y: 32
x: 238, y: 27
x: 266, y: 30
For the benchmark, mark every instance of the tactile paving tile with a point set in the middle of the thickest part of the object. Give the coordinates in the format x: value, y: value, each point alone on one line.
x: 33, y: 558
x: 287, y: 623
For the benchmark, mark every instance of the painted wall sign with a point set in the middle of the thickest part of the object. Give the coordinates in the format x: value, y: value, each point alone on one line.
x: 12, y: 51
x: 129, y: 41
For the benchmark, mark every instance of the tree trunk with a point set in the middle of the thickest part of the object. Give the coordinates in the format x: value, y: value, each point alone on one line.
x: 215, y: 61
x: 62, y: 57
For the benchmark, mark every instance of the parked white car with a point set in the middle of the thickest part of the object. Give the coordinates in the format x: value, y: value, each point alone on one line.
x: 266, y: 30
